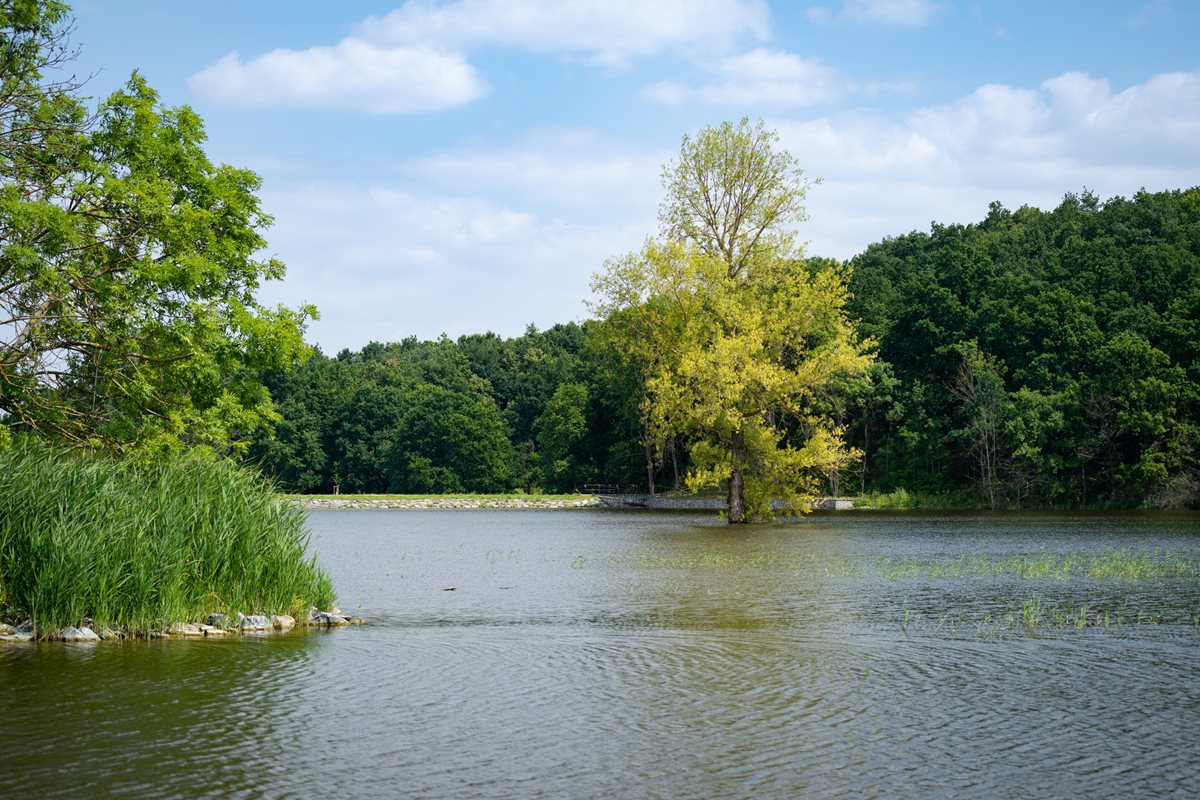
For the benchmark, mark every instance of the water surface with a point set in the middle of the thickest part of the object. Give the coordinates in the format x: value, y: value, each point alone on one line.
x: 530, y: 654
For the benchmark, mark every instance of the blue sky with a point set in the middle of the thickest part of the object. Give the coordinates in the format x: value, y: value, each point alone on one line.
x: 466, y: 165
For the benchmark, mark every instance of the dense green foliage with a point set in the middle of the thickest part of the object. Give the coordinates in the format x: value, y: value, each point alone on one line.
x: 1037, y: 358
x: 137, y: 546
x: 128, y: 263
x: 482, y: 414
x: 732, y: 338
x: 128, y: 323
x: 1032, y: 359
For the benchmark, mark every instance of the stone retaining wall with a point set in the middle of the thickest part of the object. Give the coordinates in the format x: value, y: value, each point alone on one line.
x: 606, y: 500
x: 705, y: 503
x: 216, y: 625
x: 448, y: 502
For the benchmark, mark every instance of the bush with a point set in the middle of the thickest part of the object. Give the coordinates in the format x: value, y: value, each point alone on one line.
x: 137, y: 546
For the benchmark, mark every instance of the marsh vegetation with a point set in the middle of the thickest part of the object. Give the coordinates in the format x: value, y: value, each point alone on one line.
x: 138, y: 546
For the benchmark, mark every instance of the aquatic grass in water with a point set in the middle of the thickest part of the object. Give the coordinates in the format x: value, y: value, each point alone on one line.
x: 1035, y: 615
x: 1128, y: 565
x: 139, y: 546
x: 1032, y: 615
x: 1110, y: 565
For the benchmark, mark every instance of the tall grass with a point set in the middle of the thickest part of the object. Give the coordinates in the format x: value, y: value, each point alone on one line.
x: 138, y: 546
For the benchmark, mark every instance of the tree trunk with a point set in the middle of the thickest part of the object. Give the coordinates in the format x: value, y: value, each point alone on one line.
x: 866, y: 454
x: 649, y: 467
x: 737, y: 480
x: 675, y: 465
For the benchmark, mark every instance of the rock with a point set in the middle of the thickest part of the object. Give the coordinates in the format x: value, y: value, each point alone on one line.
x: 185, y: 629
x: 326, y: 619
x: 254, y: 622
x: 212, y: 630
x: 110, y: 633
x: 282, y: 622
x: 7, y: 630
x: 77, y: 635
x: 218, y: 620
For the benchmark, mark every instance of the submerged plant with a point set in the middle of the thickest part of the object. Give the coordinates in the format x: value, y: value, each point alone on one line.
x: 1109, y: 565
x: 1034, y: 615
x: 137, y: 546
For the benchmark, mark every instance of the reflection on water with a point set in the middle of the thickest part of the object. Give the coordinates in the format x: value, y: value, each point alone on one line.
x: 626, y: 654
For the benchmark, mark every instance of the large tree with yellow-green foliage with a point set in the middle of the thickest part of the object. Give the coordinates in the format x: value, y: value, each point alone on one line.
x: 734, y: 335
x: 129, y: 262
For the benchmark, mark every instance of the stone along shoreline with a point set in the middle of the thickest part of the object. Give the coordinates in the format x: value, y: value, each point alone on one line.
x: 216, y: 625
x: 446, y: 502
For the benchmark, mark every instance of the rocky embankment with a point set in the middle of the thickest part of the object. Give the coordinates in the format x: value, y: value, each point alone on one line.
x: 216, y: 625
x: 447, y: 502
x: 705, y: 502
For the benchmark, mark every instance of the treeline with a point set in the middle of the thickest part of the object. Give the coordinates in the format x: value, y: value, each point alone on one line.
x: 1037, y: 358
x: 1032, y: 359
x: 480, y: 414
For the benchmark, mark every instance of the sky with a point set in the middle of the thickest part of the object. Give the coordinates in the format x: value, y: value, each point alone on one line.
x: 464, y: 166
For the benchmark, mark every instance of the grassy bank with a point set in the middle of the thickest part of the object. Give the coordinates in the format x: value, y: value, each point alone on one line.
x: 136, y: 547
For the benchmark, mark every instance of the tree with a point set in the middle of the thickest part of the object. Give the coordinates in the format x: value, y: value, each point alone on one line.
x: 559, y: 430
x: 736, y: 335
x: 1047, y: 357
x: 733, y: 194
x: 129, y: 264
x: 979, y: 387
x: 39, y: 114
x: 449, y: 441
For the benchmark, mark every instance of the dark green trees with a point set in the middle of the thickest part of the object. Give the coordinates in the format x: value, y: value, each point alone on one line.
x: 406, y: 417
x: 1043, y: 358
x: 1031, y: 359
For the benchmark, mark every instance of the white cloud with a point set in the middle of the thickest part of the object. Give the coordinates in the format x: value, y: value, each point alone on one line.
x: 1157, y: 121
x: 354, y: 75
x: 993, y: 118
x: 413, y: 59
x: 490, y: 235
x: 766, y: 79
x: 482, y: 235
x: 552, y: 168
x: 383, y: 262
x: 608, y: 32
x: 899, y: 13
x: 1020, y: 146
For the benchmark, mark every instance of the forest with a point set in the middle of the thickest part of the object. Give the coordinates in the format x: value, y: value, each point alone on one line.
x: 1032, y: 359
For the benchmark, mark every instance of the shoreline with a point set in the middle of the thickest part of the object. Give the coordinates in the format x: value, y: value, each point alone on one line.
x: 351, y: 503
x: 617, y: 501
x: 216, y: 625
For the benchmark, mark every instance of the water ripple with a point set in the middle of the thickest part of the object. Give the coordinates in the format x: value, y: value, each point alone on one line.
x: 591, y: 655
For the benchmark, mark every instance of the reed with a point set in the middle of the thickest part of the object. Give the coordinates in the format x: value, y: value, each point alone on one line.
x: 136, y: 546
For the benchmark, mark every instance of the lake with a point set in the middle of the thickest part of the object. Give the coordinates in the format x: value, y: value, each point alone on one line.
x: 630, y: 654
